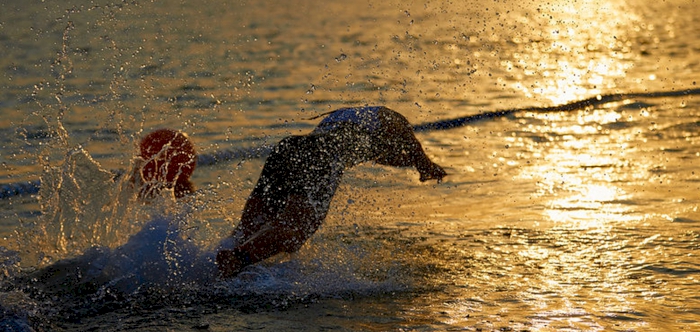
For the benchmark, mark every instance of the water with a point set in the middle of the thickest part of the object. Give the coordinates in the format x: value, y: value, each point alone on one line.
x: 582, y: 220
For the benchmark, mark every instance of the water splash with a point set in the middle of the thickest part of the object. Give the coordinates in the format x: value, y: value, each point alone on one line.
x: 82, y: 205
x: 96, y: 248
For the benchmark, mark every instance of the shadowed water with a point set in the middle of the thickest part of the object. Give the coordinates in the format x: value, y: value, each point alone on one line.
x: 580, y: 218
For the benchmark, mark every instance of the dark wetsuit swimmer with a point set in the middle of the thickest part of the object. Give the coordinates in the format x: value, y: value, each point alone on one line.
x: 301, y: 175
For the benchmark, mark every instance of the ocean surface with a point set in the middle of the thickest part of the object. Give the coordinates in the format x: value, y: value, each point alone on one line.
x: 580, y: 218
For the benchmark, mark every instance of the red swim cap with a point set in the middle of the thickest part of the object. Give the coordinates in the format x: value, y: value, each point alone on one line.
x: 170, y: 156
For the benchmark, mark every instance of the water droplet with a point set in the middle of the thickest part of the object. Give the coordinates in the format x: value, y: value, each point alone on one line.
x: 311, y: 89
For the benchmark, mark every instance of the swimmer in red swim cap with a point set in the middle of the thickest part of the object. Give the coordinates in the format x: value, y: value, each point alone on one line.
x: 301, y: 175
x: 169, y: 159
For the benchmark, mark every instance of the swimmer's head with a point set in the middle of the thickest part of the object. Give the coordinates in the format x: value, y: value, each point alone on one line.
x: 169, y: 160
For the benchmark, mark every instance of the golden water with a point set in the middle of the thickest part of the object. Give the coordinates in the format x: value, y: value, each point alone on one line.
x: 583, y: 220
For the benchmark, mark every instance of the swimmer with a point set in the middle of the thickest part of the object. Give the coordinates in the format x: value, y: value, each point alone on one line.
x: 300, y: 177
x: 167, y: 159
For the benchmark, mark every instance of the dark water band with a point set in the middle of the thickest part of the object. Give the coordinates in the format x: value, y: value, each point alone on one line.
x: 573, y: 106
x: 32, y: 187
x: 19, y: 188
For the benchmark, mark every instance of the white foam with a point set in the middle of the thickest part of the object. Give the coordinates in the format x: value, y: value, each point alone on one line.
x: 157, y: 256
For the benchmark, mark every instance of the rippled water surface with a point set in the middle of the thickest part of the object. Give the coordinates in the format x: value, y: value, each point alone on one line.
x: 578, y: 220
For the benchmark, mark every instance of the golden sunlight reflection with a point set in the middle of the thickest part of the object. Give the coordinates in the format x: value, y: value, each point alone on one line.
x: 585, y: 51
x: 589, y: 206
x: 579, y: 170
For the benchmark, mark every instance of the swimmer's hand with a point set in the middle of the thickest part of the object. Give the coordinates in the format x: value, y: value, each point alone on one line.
x: 431, y: 171
x: 228, y: 263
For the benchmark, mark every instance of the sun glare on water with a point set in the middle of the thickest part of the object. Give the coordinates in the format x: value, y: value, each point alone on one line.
x: 580, y: 52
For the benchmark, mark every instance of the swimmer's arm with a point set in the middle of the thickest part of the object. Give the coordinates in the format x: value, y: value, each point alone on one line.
x: 269, y: 194
x: 285, y: 234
